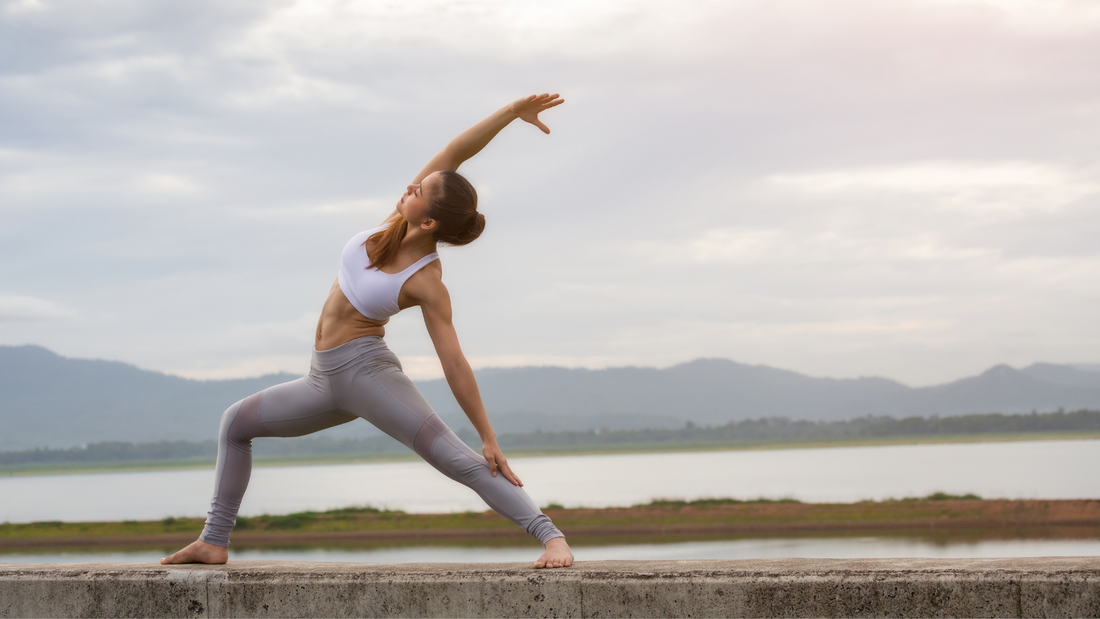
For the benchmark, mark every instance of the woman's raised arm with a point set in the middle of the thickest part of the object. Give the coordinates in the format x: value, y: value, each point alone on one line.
x: 471, y: 141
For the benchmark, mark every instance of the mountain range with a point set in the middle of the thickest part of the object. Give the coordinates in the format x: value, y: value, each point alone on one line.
x: 51, y: 401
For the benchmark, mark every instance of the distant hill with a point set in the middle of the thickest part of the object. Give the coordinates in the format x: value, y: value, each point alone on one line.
x: 716, y: 391
x: 1000, y: 389
x: 703, y: 391
x: 51, y: 401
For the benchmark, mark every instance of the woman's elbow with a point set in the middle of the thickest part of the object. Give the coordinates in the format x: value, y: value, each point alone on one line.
x: 454, y: 365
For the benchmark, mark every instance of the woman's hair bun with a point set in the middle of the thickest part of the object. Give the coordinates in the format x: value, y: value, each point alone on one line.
x: 477, y: 226
x: 454, y: 207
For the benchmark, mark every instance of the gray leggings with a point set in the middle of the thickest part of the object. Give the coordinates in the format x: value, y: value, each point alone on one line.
x: 359, y: 379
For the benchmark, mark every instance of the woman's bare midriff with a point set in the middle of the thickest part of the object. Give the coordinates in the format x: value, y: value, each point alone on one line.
x: 341, y: 323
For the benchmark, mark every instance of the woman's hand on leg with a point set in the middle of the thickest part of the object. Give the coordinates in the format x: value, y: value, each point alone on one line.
x: 497, y: 462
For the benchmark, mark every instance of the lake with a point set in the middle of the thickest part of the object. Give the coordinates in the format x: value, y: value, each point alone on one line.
x: 822, y: 548
x: 1026, y: 469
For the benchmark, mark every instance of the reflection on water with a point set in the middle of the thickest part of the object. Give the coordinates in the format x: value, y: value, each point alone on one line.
x: 836, y: 548
x: 931, y: 543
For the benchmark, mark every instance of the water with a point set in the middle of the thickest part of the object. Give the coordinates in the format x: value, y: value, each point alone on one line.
x: 1028, y: 470
x: 839, y: 548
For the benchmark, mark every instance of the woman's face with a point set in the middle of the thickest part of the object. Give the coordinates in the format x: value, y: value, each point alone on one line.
x: 413, y: 205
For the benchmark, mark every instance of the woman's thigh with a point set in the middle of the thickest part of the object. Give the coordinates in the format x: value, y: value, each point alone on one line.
x: 389, y: 400
x: 300, y: 407
x: 385, y: 397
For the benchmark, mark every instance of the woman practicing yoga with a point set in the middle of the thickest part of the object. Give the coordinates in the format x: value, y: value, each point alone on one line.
x: 353, y: 374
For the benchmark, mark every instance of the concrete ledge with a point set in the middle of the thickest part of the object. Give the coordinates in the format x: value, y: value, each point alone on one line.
x: 1044, y: 587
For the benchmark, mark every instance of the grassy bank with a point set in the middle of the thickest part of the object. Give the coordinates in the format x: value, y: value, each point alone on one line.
x: 709, y: 518
x: 57, y: 468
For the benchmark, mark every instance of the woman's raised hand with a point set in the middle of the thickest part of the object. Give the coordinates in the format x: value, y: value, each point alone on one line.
x: 528, y: 108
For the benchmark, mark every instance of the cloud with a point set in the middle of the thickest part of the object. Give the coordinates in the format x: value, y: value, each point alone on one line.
x: 247, y: 367
x: 427, y: 367
x: 23, y: 309
x: 248, y: 349
x: 988, y: 187
x: 844, y: 188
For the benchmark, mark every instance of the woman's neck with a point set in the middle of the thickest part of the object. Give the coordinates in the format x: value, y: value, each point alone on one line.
x: 418, y: 240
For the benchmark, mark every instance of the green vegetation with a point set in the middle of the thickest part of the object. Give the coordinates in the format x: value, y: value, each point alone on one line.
x: 710, y: 502
x: 776, y: 430
x: 333, y: 521
x: 660, y: 519
x: 935, y: 496
x: 748, y: 434
x: 943, y: 496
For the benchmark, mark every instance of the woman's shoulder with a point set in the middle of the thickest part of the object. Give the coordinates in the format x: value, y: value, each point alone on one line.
x: 360, y: 238
x: 427, y: 283
x: 432, y: 269
x: 379, y: 228
x: 369, y: 232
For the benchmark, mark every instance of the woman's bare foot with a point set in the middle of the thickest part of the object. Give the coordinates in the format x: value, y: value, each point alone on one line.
x: 199, y: 551
x: 557, y: 554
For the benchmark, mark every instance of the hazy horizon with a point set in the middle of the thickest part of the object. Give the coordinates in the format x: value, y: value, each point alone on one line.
x: 1088, y: 367
x: 908, y: 189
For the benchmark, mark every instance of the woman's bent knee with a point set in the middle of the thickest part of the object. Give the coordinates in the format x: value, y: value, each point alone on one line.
x: 240, y: 422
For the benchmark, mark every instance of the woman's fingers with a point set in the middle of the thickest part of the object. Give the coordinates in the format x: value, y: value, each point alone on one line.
x: 497, y: 462
x: 509, y: 475
x: 529, y: 108
x: 544, y: 100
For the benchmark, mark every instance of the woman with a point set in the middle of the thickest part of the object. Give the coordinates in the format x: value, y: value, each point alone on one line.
x: 353, y: 374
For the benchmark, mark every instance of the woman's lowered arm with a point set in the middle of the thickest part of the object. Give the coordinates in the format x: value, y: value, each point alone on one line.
x: 435, y: 304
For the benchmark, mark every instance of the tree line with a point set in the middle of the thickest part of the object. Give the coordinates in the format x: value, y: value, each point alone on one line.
x: 765, y: 430
x: 778, y: 429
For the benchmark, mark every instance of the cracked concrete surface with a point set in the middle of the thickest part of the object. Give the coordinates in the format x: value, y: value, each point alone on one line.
x: 1032, y: 587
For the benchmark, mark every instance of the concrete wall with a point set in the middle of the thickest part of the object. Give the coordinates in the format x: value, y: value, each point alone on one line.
x: 1046, y: 587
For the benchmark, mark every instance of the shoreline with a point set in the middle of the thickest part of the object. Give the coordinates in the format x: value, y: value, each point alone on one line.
x: 943, y: 521
x: 79, y: 468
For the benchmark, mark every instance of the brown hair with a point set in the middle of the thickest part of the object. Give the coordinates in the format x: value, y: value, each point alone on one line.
x: 453, y: 206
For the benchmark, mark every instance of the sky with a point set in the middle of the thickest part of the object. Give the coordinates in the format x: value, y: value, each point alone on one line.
x: 897, y: 188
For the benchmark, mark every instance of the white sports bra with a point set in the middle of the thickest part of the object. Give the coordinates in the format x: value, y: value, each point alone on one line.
x: 371, y: 291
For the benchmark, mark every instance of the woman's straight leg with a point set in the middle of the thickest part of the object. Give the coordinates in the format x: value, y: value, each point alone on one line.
x: 379, y: 391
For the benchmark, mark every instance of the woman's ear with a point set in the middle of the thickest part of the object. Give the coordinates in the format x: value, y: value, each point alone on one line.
x: 428, y: 224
